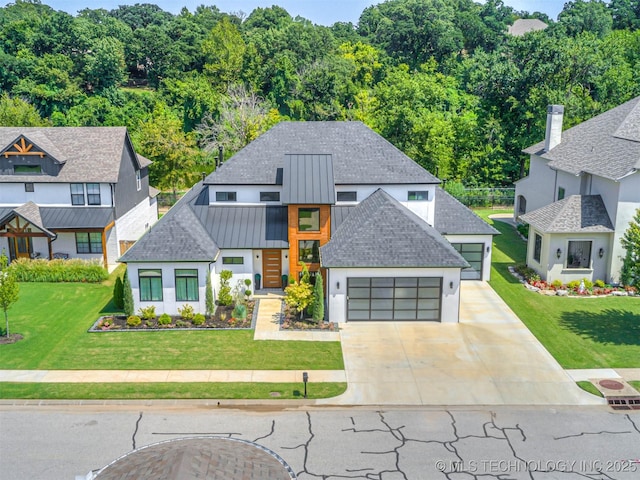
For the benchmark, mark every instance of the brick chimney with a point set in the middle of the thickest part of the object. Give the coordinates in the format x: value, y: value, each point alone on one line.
x: 553, y: 135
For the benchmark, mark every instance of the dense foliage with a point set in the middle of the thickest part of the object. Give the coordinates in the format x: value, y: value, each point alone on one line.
x: 72, y: 270
x: 440, y: 79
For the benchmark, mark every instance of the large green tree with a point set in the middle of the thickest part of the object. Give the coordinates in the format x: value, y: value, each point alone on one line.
x: 631, y: 243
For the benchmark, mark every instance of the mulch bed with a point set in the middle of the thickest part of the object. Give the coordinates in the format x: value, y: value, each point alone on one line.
x: 291, y: 321
x: 222, y: 318
x: 12, y: 338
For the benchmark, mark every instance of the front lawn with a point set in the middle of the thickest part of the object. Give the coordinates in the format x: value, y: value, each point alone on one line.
x: 578, y: 332
x: 54, y: 318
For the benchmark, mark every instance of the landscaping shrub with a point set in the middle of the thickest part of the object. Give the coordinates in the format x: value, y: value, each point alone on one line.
x: 127, y: 301
x: 556, y: 284
x: 148, y: 313
x: 208, y: 298
x: 133, y: 321
x: 240, y: 311
x: 573, y: 284
x: 588, y: 284
x: 198, y: 319
x: 317, y: 309
x: 599, y: 284
x: 118, y: 293
x: 58, y: 270
x: 523, y: 229
x: 186, y: 312
x: 165, y: 319
x: 224, y: 295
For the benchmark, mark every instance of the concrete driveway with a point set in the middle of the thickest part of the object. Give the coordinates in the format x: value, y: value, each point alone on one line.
x: 489, y: 358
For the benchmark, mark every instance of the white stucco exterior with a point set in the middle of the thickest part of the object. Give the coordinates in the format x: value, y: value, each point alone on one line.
x: 487, y: 241
x: 48, y: 194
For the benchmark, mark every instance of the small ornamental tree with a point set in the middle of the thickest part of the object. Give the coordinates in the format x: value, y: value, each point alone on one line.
x: 298, y: 296
x: 208, y: 296
x: 224, y: 295
x: 318, y: 299
x: 9, y: 289
x: 630, y: 274
x: 118, y: 293
x: 127, y: 295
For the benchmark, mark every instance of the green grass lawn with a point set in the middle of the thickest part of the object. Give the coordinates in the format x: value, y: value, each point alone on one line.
x: 54, y: 318
x: 578, y: 332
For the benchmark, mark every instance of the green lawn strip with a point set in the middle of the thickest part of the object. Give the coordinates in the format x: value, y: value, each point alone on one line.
x: 635, y: 384
x: 54, y: 318
x: 590, y: 387
x: 578, y: 332
x: 185, y: 391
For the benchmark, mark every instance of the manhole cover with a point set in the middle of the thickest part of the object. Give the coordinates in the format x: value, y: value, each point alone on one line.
x: 611, y: 384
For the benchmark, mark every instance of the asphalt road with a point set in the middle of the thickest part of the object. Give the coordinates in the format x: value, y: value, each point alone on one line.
x: 60, y: 442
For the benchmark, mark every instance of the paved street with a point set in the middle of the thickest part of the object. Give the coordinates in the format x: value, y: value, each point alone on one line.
x: 60, y: 442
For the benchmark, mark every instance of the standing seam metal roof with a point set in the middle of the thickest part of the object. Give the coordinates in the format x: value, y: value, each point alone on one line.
x: 308, y: 180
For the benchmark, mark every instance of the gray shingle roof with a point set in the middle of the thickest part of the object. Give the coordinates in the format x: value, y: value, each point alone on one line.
x: 177, y: 236
x: 88, y: 154
x: 574, y: 214
x: 338, y: 215
x: 308, y: 179
x: 380, y: 232
x: 31, y: 213
x: 607, y: 145
x: 453, y: 218
x: 359, y: 155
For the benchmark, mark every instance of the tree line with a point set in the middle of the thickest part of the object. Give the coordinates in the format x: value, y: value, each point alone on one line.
x: 440, y: 79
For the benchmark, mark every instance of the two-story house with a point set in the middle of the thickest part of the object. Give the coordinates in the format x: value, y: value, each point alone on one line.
x: 581, y: 193
x: 336, y: 196
x: 77, y: 192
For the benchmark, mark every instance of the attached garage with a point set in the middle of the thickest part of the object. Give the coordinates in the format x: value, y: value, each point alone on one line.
x: 394, y: 298
x: 473, y: 253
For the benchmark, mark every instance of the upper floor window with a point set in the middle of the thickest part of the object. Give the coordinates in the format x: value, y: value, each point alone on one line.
x: 560, y: 193
x: 93, y: 193
x: 138, y: 180
x: 269, y: 196
x: 537, y: 248
x: 418, y: 195
x: 309, y: 251
x: 347, y: 196
x: 225, y: 196
x: 309, y: 219
x: 27, y: 169
x: 28, y: 187
x: 77, y: 194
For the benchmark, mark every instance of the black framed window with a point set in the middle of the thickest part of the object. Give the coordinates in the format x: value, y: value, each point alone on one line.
x: 77, y: 194
x: 347, y: 196
x: 93, y: 193
x: 560, y: 193
x: 473, y: 253
x: 309, y: 251
x: 186, y: 285
x: 537, y: 247
x: 225, y: 196
x: 309, y: 219
x: 418, y: 195
x: 150, y: 282
x: 579, y: 254
x: 269, y: 196
x: 233, y: 260
x: 28, y: 187
x: 88, y: 242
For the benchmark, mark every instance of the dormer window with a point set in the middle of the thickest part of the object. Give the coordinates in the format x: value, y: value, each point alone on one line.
x: 421, y: 195
x: 225, y: 196
x: 27, y: 169
x: 77, y: 194
x: 93, y: 193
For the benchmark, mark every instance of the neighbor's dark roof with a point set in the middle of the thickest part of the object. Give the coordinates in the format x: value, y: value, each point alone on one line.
x: 245, y: 226
x: 88, y: 154
x: 359, y: 155
x: 380, y: 232
x: 453, y: 218
x: 607, y: 145
x: 574, y: 214
x: 177, y: 236
x: 308, y: 180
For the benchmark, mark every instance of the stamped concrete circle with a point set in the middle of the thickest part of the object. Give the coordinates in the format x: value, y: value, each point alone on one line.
x: 210, y: 458
x: 611, y: 384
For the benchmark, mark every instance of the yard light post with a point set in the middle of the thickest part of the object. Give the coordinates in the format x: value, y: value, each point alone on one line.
x: 305, y: 379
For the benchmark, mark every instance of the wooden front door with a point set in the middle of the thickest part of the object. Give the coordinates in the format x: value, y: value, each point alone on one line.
x: 271, y: 269
x: 22, y: 247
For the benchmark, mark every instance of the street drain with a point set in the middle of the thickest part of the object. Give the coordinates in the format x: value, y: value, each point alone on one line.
x: 618, y: 393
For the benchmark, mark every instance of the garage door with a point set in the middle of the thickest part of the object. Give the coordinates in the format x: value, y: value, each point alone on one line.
x: 473, y: 253
x: 398, y: 298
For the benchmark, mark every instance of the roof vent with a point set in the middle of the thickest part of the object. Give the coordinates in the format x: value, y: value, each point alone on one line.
x: 553, y: 135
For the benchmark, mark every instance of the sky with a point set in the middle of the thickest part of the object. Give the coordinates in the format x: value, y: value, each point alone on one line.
x: 322, y: 12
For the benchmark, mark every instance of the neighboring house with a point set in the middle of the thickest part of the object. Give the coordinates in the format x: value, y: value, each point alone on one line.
x: 77, y: 192
x: 526, y: 25
x: 390, y: 244
x: 581, y: 193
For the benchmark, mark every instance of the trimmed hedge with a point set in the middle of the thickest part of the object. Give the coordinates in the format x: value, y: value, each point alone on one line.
x: 73, y: 270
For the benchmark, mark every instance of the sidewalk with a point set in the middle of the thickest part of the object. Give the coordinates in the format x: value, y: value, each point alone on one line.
x: 267, y: 328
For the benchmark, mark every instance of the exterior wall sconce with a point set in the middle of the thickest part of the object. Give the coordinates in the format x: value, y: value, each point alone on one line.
x: 286, y: 256
x: 558, y: 253
x: 601, y: 252
x: 257, y: 256
x: 337, y: 285
x: 488, y: 248
x: 451, y: 285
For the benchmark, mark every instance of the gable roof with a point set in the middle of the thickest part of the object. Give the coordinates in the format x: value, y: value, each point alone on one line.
x: 359, y: 156
x: 177, y: 236
x: 380, y: 232
x: 607, y: 145
x: 453, y: 218
x: 31, y: 213
x: 89, y: 154
x: 574, y: 214
x: 308, y: 179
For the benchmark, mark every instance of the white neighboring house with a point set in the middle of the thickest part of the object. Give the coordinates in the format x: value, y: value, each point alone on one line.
x: 388, y: 242
x: 72, y: 192
x: 581, y: 193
